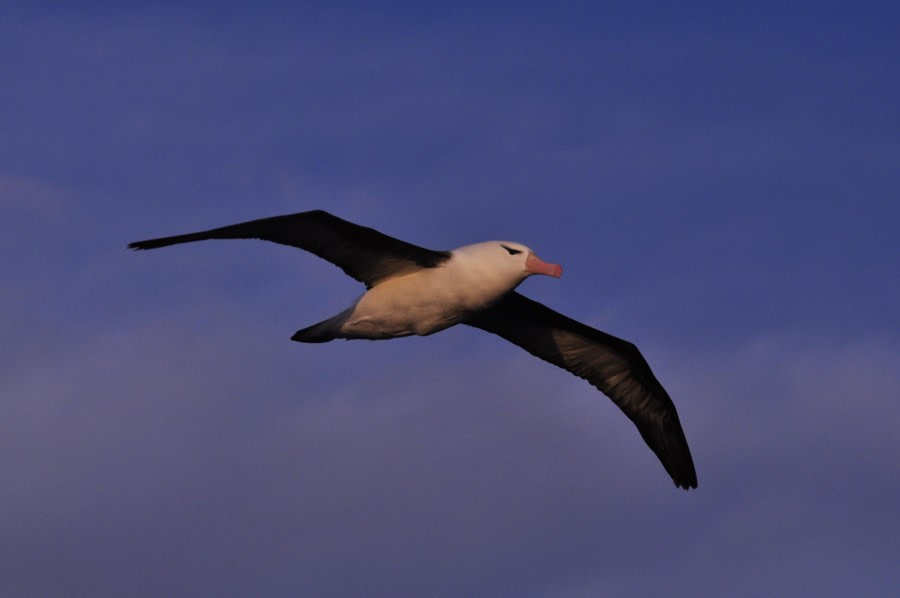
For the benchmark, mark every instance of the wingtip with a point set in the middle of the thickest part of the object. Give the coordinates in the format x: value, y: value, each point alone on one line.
x: 686, y: 480
x: 146, y: 244
x: 156, y: 243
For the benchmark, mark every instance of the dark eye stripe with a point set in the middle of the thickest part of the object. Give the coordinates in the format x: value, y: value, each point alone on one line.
x: 511, y: 250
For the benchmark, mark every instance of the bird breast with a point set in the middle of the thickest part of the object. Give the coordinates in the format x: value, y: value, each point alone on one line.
x: 421, y: 303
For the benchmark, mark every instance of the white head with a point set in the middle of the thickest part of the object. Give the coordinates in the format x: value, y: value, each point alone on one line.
x: 503, y: 262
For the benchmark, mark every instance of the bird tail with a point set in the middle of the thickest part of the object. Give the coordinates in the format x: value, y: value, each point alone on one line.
x: 317, y: 333
x: 324, y: 331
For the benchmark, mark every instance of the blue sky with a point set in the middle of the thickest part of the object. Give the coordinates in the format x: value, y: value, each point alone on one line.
x: 719, y: 185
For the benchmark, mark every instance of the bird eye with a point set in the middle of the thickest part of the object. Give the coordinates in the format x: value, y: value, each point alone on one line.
x: 510, y: 250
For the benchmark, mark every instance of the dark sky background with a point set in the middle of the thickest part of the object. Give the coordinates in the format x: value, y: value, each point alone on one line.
x: 720, y: 185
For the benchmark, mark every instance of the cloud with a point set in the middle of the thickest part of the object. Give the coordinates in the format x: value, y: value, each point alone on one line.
x: 447, y: 464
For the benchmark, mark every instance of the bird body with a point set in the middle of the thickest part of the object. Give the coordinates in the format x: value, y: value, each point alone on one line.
x: 413, y: 290
x: 432, y: 299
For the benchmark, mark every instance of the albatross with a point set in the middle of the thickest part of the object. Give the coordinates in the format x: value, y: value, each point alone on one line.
x: 413, y: 290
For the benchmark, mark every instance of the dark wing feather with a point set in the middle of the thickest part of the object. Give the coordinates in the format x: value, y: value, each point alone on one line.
x: 613, y: 365
x: 363, y: 253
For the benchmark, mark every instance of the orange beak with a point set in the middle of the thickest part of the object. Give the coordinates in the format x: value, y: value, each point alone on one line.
x: 535, y: 265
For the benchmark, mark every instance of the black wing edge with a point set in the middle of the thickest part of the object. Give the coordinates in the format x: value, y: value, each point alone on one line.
x: 610, y: 364
x: 363, y: 253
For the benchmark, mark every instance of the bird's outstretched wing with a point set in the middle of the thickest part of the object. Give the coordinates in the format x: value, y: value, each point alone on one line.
x: 611, y: 364
x: 363, y: 253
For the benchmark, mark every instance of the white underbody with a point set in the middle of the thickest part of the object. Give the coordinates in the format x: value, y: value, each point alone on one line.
x: 425, y: 301
x: 414, y: 304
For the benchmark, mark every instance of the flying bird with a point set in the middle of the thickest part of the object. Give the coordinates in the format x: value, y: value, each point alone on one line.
x: 413, y: 290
